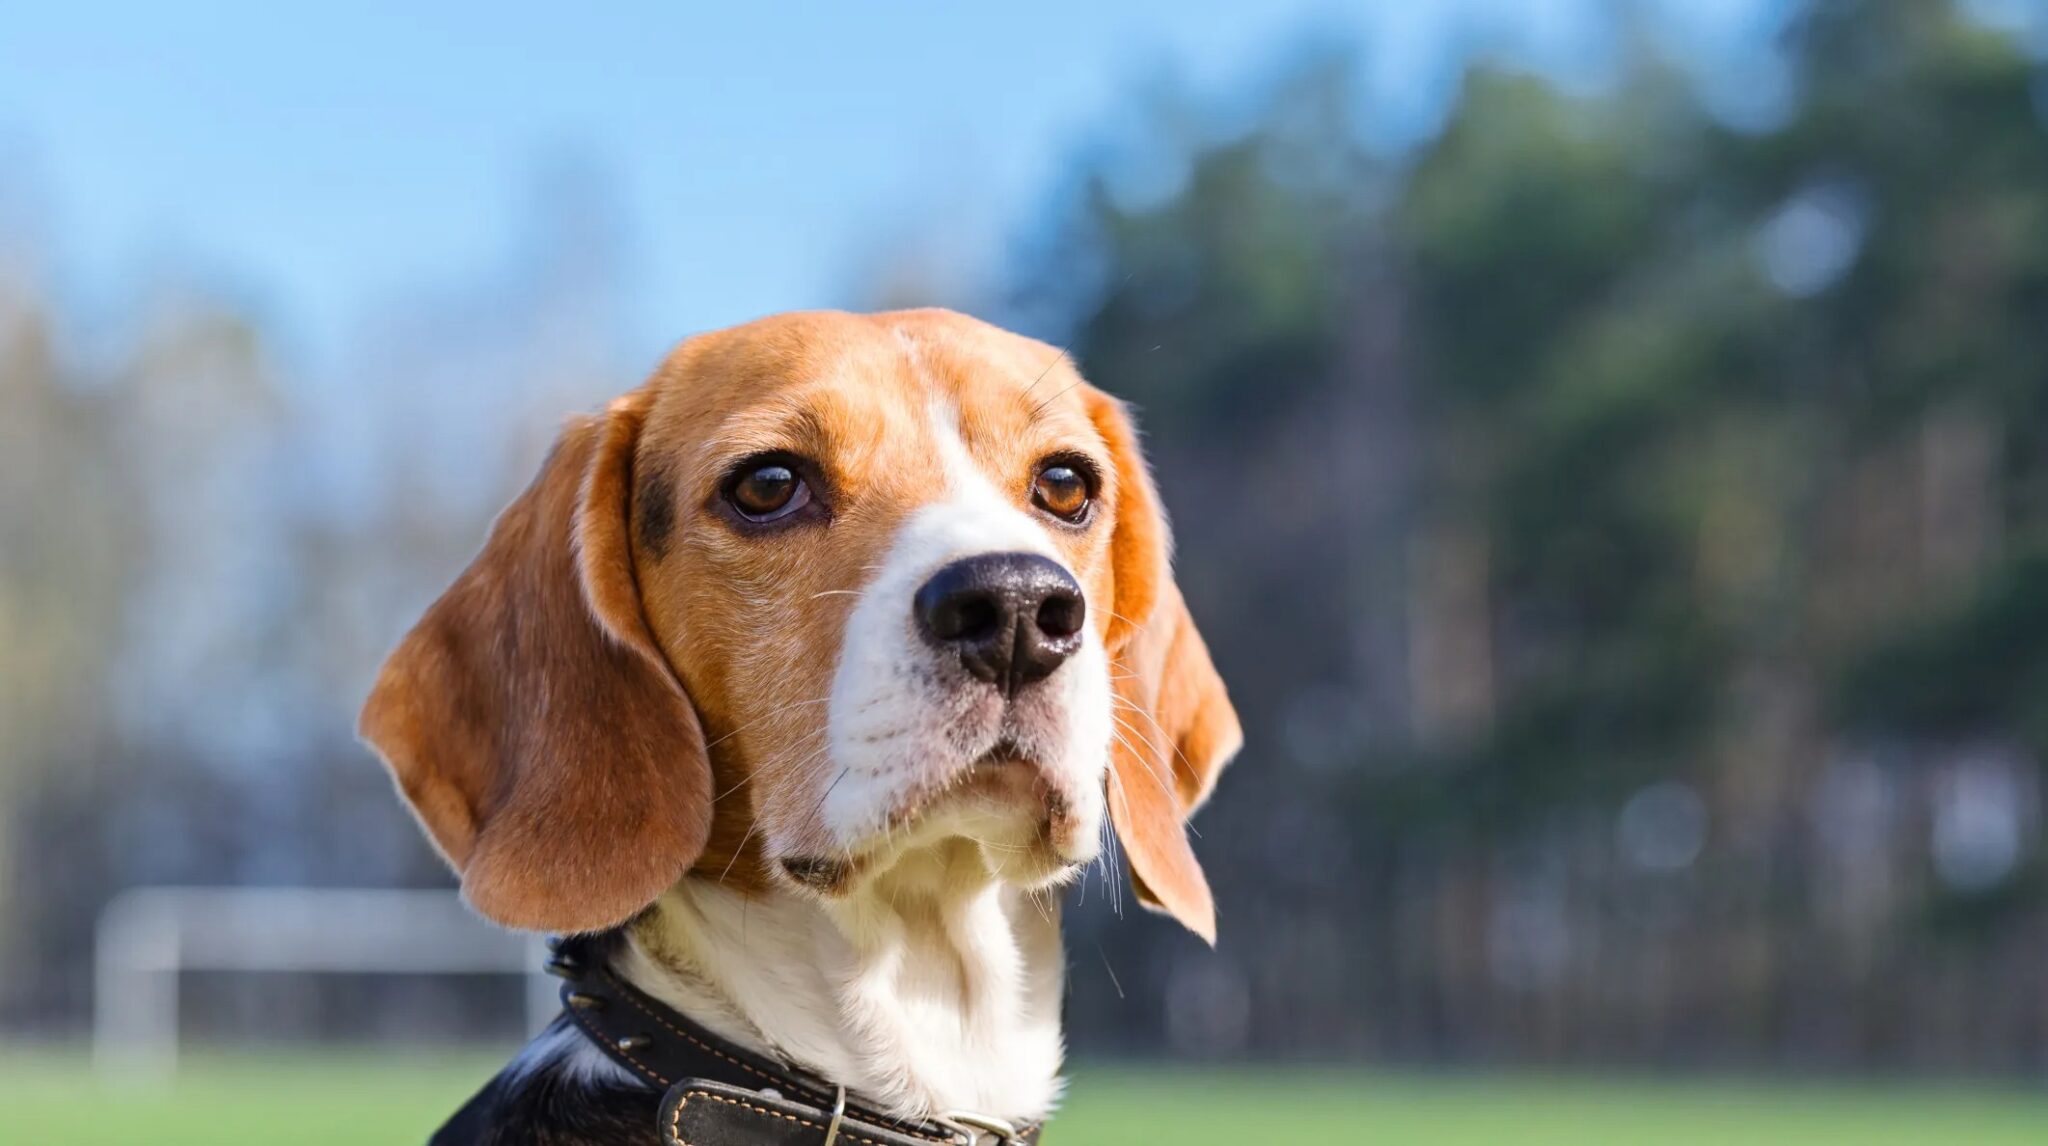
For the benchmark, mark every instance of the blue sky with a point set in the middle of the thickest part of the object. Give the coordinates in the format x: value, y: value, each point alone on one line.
x: 327, y: 163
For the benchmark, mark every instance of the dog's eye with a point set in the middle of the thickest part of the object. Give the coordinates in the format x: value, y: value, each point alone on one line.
x: 767, y: 490
x: 1063, y: 491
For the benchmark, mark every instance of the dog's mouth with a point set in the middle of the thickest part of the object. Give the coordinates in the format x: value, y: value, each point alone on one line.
x: 1003, y: 782
x: 1004, y: 753
x: 1004, y: 800
x: 819, y: 873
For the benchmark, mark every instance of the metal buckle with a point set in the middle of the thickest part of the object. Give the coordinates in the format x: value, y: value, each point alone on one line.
x: 975, y: 1125
x: 838, y: 1116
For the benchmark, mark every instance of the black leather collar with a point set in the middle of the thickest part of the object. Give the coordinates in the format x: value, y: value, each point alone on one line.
x: 719, y: 1094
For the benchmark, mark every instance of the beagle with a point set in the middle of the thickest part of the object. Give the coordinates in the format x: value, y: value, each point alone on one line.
x: 792, y: 688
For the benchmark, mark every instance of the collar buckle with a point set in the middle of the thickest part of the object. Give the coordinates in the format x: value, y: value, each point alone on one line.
x: 838, y: 1117
x: 980, y: 1129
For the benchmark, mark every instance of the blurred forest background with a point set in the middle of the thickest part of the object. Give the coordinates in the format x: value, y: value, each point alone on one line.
x: 1621, y: 514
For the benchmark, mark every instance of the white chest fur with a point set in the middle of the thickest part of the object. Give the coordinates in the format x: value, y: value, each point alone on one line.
x: 921, y: 993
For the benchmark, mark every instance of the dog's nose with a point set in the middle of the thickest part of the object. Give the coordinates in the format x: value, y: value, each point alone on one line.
x: 1011, y: 617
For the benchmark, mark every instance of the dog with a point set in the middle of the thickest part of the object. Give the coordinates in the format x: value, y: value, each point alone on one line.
x: 789, y: 692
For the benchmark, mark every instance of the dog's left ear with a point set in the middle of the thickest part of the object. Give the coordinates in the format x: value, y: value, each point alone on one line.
x: 1175, y: 726
x: 532, y: 721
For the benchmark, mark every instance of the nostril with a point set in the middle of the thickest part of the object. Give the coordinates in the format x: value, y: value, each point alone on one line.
x: 1061, y: 615
x: 973, y: 617
x: 952, y: 608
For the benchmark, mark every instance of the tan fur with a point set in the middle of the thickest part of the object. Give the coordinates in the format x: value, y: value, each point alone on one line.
x: 1176, y: 727
x: 529, y: 718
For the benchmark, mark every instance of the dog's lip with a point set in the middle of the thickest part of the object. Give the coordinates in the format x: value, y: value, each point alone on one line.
x: 1004, y: 774
x: 1005, y: 751
x: 820, y: 873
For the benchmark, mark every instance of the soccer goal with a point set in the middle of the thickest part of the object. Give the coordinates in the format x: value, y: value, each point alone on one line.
x: 146, y: 937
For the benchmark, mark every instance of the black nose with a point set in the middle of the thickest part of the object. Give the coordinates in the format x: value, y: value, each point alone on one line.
x: 1011, y: 617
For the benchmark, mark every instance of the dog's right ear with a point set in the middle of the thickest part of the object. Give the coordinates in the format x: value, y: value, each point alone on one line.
x: 530, y: 718
x: 1177, y: 728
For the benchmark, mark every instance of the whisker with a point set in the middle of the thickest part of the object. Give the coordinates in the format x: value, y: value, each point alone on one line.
x: 777, y: 711
x: 776, y: 768
x: 1112, y: 884
x: 1134, y: 729
x: 844, y: 769
x: 995, y: 845
x: 1114, y: 700
x: 1042, y: 373
x: 1143, y: 758
x: 735, y: 858
x: 1172, y: 792
x: 1112, y: 971
x: 1040, y: 408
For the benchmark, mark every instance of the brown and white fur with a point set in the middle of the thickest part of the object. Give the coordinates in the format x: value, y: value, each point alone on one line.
x: 824, y: 839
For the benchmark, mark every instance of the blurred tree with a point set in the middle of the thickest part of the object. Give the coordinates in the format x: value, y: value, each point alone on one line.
x: 67, y: 536
x: 1621, y: 531
x: 193, y: 598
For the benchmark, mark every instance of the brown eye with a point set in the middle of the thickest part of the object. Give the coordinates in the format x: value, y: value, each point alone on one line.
x: 767, y: 491
x: 1061, y: 490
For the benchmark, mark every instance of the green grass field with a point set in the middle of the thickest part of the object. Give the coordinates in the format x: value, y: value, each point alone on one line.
x: 295, y: 1099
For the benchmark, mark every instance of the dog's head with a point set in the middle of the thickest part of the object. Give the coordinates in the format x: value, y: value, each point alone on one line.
x: 826, y: 592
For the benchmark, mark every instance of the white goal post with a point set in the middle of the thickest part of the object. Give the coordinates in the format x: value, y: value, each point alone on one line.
x: 147, y: 936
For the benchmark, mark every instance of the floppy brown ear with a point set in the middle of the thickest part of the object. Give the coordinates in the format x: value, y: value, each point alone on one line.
x: 1175, y: 727
x: 530, y: 719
